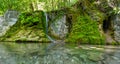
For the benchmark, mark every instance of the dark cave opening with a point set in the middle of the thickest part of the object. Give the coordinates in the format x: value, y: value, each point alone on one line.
x: 107, y: 28
x: 107, y: 25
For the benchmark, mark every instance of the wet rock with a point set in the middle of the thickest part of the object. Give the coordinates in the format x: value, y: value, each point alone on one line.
x: 95, y: 57
x: 57, y: 22
x: 116, y: 26
x: 112, y: 56
x: 9, y: 19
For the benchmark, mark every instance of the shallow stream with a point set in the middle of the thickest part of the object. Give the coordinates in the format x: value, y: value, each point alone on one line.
x: 36, y: 53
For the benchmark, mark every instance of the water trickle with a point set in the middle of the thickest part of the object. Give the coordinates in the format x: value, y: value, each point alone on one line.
x: 46, y: 16
x: 56, y: 28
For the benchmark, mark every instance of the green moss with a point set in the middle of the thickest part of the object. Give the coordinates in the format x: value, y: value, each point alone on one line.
x: 29, y: 27
x: 32, y: 18
x: 85, y: 31
x: 86, y: 19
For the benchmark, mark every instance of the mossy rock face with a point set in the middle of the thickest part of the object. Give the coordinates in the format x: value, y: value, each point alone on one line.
x: 28, y: 35
x: 87, y: 22
x: 85, y: 30
x: 29, y: 27
x: 32, y: 19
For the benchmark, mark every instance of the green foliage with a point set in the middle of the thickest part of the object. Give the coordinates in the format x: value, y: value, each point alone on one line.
x: 32, y: 5
x: 26, y: 19
x: 29, y: 27
x: 57, y: 4
x: 31, y: 18
x: 19, y: 5
x: 85, y: 31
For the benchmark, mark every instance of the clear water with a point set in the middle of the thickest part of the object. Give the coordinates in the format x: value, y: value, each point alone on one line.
x: 35, y: 53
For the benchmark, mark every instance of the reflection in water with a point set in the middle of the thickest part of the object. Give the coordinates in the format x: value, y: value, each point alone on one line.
x: 34, y: 53
x: 14, y: 53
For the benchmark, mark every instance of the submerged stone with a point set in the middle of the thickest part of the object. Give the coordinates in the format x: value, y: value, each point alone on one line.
x: 95, y: 56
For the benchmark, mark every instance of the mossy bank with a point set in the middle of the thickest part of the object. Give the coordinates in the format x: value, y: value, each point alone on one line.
x: 86, y: 19
x: 29, y: 27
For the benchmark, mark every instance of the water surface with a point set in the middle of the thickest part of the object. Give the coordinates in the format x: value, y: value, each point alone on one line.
x: 36, y: 53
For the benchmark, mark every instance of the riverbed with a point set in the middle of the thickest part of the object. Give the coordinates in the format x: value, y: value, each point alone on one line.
x: 37, y: 53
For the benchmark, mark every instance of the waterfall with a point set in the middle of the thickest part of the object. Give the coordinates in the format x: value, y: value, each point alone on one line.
x: 55, y: 26
x: 46, y: 17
